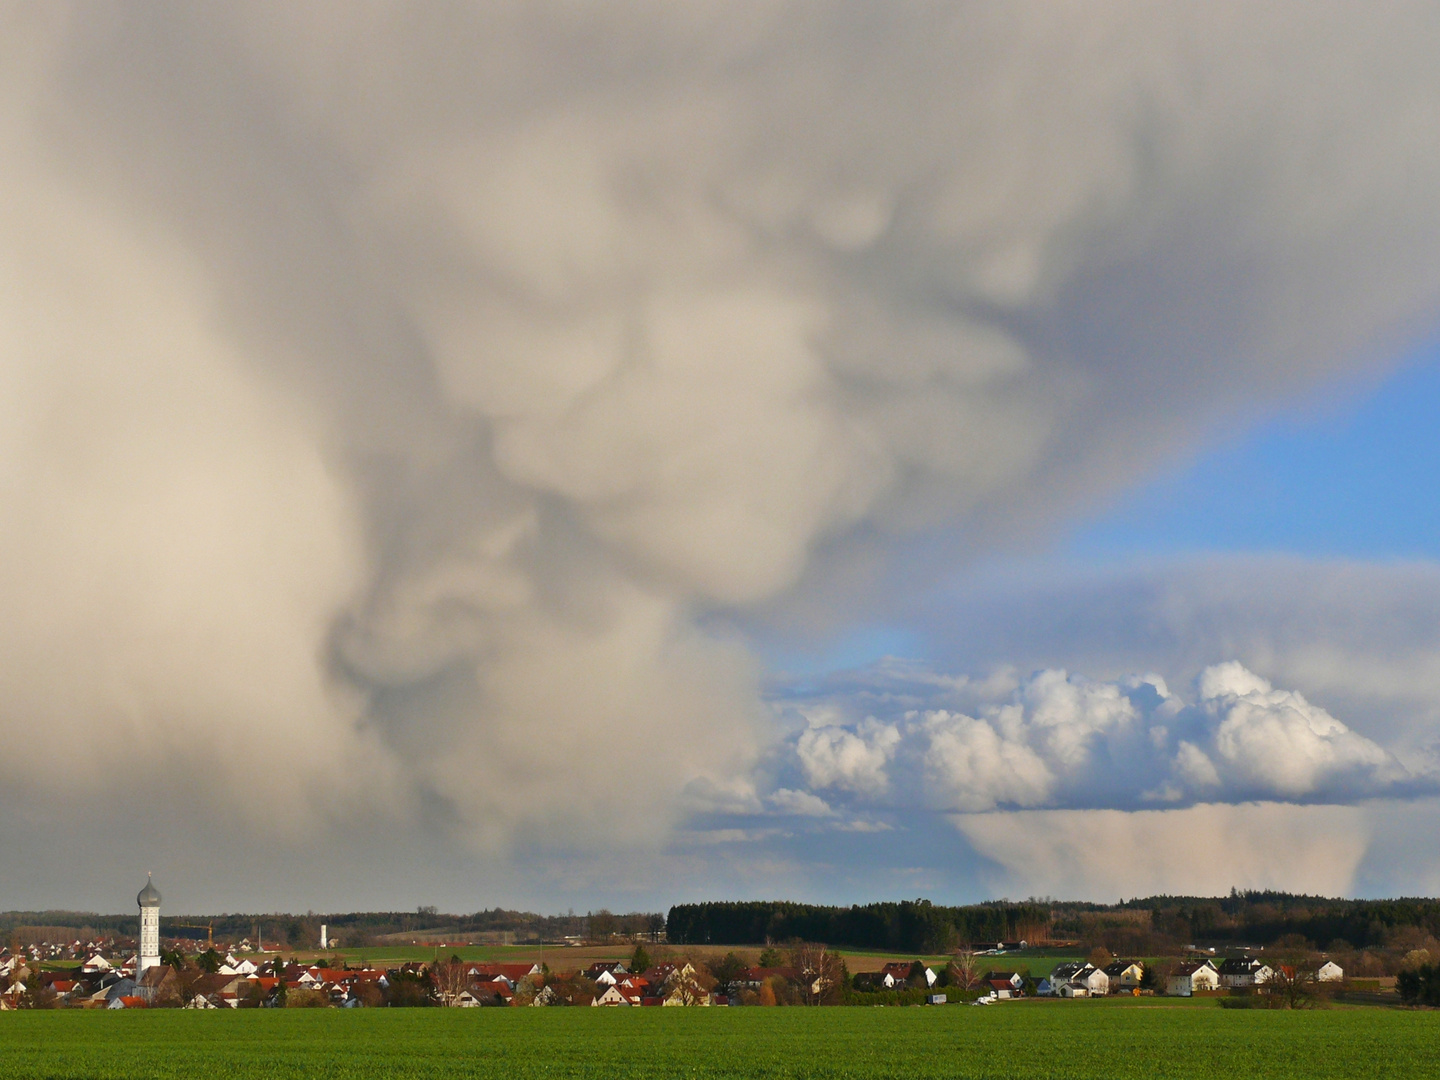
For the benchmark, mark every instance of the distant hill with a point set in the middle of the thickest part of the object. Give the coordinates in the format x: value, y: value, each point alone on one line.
x: 353, y: 928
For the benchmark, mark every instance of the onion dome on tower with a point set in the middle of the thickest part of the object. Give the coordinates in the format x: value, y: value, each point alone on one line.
x: 149, y: 896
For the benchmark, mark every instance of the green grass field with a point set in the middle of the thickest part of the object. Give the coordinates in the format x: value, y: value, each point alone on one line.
x: 1080, y: 1040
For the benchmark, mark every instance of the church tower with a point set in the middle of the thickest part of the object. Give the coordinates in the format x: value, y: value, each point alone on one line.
x: 149, y: 901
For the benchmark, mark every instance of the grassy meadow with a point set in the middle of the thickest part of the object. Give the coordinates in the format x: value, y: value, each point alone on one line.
x: 1121, y: 1040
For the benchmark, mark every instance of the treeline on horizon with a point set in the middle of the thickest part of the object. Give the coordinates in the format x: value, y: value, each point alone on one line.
x: 1149, y: 926
x: 352, y: 929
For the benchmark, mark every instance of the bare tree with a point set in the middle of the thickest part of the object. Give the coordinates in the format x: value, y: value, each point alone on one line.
x: 528, y: 989
x: 574, y: 989
x: 1291, y: 986
x: 1292, y: 983
x: 1099, y: 957
x: 819, y: 974
x: 602, y: 925
x: 450, y: 980
x: 691, y: 985
x: 965, y: 968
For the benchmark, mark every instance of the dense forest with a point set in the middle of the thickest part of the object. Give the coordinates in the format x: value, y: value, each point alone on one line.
x: 1259, y: 918
x: 907, y: 926
x: 1152, y: 925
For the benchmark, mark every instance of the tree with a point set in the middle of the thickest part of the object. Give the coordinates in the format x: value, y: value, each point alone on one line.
x: 573, y: 989
x: 527, y: 989
x: 965, y: 969
x: 1416, y: 958
x: 1291, y: 986
x: 771, y: 957
x: 209, y: 961
x: 602, y: 925
x: 1099, y: 957
x: 173, y: 957
x: 450, y: 980
x: 1419, y: 985
x: 1292, y: 983
x: 728, y: 971
x: 37, y: 995
x: 639, y: 960
x: 820, y: 974
x: 369, y: 995
x: 915, y: 978
x: 251, y: 995
x: 408, y: 989
x: 656, y: 924
x: 692, y: 986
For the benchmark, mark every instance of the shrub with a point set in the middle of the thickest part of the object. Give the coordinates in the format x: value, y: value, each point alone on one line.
x: 1419, y: 986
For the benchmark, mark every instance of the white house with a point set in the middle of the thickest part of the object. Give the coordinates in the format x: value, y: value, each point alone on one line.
x: 1082, y: 975
x: 231, y: 966
x: 1330, y: 972
x: 1001, y: 990
x: 1191, y: 976
x: 612, y: 997
x: 1067, y: 971
x: 1124, y: 975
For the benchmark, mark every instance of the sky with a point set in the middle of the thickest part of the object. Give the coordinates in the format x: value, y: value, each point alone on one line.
x: 578, y: 455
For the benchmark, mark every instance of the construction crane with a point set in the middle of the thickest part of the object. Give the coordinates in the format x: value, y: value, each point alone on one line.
x: 209, y: 929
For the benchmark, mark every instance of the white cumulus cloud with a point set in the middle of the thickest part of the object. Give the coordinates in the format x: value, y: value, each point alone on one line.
x: 851, y: 760
x: 801, y: 803
x: 1279, y: 742
x: 1061, y: 740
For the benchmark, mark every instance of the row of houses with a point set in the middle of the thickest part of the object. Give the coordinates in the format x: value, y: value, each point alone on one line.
x: 661, y: 984
x: 1077, y: 979
x: 669, y: 984
x: 1196, y: 976
x: 99, y: 983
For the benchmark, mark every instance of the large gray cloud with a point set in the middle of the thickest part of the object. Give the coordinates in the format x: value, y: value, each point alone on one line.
x: 391, y: 397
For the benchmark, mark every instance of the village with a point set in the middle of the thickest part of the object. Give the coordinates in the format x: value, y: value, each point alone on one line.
x: 151, y: 972
x: 803, y: 974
